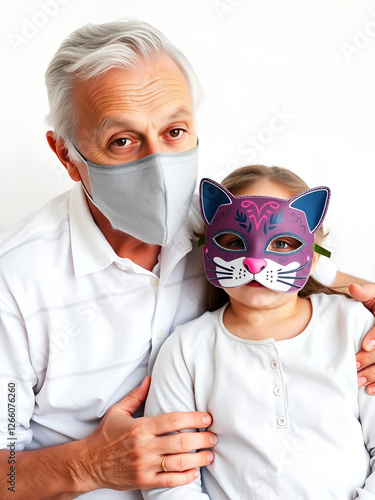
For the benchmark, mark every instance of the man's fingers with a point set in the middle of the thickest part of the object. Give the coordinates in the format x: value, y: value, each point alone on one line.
x: 360, y: 293
x: 177, y: 421
x: 184, y: 442
x: 134, y: 399
x: 364, y: 293
x: 172, y: 479
x: 366, y: 378
x: 186, y: 461
x: 370, y: 389
x: 366, y: 370
x: 364, y: 359
x: 368, y: 343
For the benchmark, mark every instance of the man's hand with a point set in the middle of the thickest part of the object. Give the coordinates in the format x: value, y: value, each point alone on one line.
x: 366, y: 357
x: 122, y: 453
x: 125, y: 453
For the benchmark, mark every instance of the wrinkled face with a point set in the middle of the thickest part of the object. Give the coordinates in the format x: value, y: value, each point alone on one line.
x: 260, y: 238
x: 128, y: 114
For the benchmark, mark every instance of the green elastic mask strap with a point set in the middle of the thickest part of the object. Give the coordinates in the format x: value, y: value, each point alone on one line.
x: 321, y: 250
x: 201, y: 241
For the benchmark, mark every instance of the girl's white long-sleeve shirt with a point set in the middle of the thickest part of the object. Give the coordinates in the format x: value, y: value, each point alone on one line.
x: 290, y: 420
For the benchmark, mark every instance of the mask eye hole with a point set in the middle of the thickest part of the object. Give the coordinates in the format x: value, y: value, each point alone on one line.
x: 284, y: 244
x: 233, y: 242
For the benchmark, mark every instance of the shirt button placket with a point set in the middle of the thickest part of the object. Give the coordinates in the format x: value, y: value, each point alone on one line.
x: 278, y: 390
x: 158, y: 333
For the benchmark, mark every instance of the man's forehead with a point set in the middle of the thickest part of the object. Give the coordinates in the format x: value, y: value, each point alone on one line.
x: 135, y: 91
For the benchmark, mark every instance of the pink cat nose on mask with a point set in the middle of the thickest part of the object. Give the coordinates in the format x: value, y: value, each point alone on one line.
x: 255, y: 266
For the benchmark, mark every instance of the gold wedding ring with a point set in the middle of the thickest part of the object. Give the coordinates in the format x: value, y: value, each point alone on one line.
x: 163, y: 463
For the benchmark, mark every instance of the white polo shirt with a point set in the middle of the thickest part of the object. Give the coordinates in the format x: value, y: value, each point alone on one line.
x: 79, y: 325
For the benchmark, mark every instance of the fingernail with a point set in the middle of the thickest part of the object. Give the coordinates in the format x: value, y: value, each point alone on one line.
x: 207, y: 419
x: 213, y: 439
x: 369, y: 345
x: 361, y: 381
x: 196, y: 473
x: 358, y: 365
x: 210, y: 457
x: 371, y: 390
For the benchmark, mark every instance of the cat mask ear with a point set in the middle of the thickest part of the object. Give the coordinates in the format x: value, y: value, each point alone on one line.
x: 314, y: 204
x: 212, y: 196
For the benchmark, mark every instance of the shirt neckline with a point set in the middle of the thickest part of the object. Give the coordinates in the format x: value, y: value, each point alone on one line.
x: 270, y: 340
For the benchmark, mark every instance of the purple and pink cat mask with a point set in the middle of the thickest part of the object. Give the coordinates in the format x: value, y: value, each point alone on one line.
x: 269, y: 240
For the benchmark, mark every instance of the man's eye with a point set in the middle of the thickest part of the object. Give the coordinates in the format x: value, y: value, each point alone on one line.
x: 176, y: 132
x: 121, y: 142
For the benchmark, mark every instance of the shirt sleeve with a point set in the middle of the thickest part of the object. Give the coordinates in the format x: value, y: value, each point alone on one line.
x: 17, y: 380
x: 172, y: 390
x: 367, y: 419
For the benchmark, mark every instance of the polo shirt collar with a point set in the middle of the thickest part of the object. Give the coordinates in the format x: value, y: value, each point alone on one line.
x: 92, y: 252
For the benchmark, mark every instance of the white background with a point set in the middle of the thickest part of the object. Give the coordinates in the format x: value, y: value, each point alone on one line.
x: 311, y: 62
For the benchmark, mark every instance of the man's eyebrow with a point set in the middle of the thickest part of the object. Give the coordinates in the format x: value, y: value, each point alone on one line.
x: 109, y: 123
x: 183, y: 111
x: 126, y: 124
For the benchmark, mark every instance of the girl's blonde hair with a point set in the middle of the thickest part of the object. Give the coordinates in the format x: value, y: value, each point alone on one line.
x: 245, y: 177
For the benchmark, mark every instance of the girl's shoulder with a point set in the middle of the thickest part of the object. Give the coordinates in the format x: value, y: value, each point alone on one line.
x: 339, y: 302
x: 196, y: 332
x: 339, y: 309
x: 205, y: 322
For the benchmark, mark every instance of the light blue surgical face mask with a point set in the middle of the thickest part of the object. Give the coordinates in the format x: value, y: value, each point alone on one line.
x: 148, y: 198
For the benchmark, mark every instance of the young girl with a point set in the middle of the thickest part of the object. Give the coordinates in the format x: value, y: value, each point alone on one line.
x: 274, y: 366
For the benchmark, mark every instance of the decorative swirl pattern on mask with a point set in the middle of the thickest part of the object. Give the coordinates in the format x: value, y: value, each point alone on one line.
x: 259, y: 214
x: 297, y: 220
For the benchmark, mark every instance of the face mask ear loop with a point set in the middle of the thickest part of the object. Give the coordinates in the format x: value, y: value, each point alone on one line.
x: 320, y: 250
x: 83, y: 186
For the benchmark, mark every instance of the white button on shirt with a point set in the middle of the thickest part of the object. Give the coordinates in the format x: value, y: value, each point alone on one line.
x: 281, y: 421
x: 278, y: 391
x: 78, y: 325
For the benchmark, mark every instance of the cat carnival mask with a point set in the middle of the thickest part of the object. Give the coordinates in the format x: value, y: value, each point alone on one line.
x: 269, y: 240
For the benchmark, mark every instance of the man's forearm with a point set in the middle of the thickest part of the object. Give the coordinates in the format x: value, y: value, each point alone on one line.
x: 57, y: 473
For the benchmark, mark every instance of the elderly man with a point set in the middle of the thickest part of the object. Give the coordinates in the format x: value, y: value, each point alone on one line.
x: 107, y: 272
x: 93, y: 284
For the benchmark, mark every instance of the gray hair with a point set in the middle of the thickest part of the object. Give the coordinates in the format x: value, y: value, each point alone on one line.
x: 94, y: 49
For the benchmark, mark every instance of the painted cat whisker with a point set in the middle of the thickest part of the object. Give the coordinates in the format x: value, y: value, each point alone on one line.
x: 294, y: 277
x: 289, y: 284
x: 218, y: 265
x: 293, y: 270
x: 222, y: 278
x: 223, y: 273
